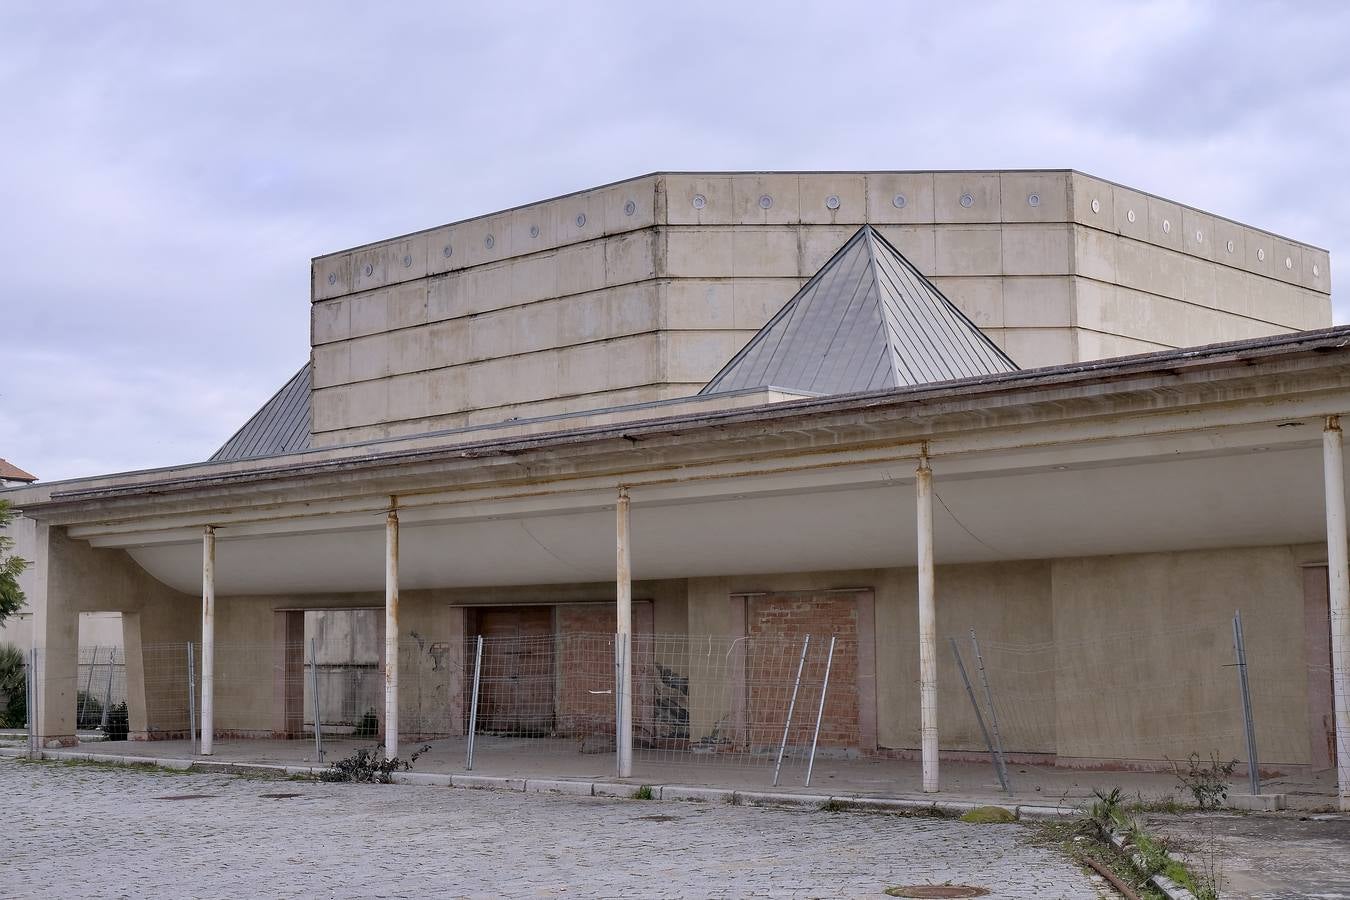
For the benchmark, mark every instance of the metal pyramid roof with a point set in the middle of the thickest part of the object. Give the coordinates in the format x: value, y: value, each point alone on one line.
x: 281, y: 426
x: 868, y: 320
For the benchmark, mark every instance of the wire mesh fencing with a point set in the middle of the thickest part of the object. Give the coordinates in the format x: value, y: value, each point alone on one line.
x: 1104, y: 698
x: 101, y: 679
x: 1145, y: 699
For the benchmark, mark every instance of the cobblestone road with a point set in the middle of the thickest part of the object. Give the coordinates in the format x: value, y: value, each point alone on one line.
x: 81, y: 831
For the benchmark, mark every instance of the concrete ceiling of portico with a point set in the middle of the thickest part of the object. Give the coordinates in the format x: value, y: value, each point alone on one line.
x: 1264, y: 488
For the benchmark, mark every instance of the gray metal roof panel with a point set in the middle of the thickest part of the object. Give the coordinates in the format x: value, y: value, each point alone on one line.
x: 282, y: 425
x: 868, y: 320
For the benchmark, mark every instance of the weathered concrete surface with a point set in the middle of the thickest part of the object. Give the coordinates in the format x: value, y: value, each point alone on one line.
x: 1283, y: 856
x: 642, y: 290
x: 99, y: 833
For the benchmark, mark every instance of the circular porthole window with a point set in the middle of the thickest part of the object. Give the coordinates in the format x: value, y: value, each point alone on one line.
x: 629, y: 208
x: 407, y: 261
x: 332, y: 278
x: 699, y: 201
x: 534, y: 231
x: 832, y: 201
x: 1033, y: 200
x: 898, y: 201
x: 581, y: 220
x: 1129, y: 215
x: 1096, y: 205
x: 1261, y: 254
x: 1229, y: 246
x: 369, y: 270
x: 1288, y: 262
x: 1317, y: 271
x: 489, y: 242
x: 967, y: 201
x: 1167, y: 227
x: 1199, y: 236
x: 447, y: 251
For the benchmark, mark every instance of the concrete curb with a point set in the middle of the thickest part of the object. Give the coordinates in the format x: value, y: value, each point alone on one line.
x: 1169, y: 887
x: 572, y: 787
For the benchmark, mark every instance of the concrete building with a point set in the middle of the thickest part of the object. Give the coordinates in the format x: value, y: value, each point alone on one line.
x: 731, y: 401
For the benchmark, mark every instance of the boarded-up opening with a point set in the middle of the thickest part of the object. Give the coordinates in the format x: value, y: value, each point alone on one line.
x: 516, y: 688
x: 776, y: 626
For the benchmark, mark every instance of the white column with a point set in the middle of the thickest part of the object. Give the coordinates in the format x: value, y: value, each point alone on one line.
x: 623, y: 639
x: 928, y: 732
x: 391, y: 635
x: 208, y: 638
x: 1338, y: 579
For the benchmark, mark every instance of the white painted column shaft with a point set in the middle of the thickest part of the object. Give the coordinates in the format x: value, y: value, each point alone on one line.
x: 624, y: 637
x: 208, y: 639
x: 1338, y: 578
x: 391, y: 635
x: 928, y: 730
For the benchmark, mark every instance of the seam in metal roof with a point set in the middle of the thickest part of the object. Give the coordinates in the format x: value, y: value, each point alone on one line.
x: 868, y: 320
x: 280, y: 426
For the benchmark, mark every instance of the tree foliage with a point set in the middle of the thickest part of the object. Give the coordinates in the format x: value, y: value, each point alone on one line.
x: 11, y: 595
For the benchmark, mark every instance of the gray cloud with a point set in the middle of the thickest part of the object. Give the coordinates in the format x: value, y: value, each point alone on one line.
x: 168, y: 169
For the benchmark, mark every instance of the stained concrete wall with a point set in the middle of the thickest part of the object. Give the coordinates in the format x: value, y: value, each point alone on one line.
x: 75, y: 578
x: 1092, y: 661
x: 431, y: 638
x: 642, y: 290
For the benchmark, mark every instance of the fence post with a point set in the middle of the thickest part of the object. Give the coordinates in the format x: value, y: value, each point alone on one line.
x: 820, y: 713
x: 993, y: 713
x: 314, y: 689
x: 473, y: 703
x: 82, y: 704
x: 979, y: 717
x: 792, y: 704
x: 1240, y: 648
x: 192, y: 693
x: 107, y: 697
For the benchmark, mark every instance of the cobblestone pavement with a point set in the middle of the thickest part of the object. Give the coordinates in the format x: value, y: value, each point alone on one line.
x: 88, y: 831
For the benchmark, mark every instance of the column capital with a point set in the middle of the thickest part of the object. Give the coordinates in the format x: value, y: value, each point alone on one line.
x: 1332, y: 423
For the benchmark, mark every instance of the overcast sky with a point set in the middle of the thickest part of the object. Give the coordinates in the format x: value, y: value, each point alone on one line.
x: 168, y: 170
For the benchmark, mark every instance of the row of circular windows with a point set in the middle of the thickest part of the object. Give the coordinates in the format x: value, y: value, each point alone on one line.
x: 899, y: 201
x: 1229, y: 245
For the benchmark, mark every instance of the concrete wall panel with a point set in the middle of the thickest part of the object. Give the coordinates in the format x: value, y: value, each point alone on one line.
x: 900, y: 197
x: 950, y: 190
x: 1034, y: 196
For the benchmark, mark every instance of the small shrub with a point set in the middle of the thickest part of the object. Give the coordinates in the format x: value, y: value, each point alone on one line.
x: 369, y: 726
x: 833, y: 805
x: 1207, y: 782
x: 13, y: 688
x: 644, y: 793
x: 1106, y: 809
x: 118, y: 720
x: 369, y: 766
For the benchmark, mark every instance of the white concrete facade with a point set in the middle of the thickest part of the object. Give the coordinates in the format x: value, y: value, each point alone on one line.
x: 641, y: 290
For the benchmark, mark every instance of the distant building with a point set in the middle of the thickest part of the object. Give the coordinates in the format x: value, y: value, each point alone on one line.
x: 12, y: 476
x: 887, y: 407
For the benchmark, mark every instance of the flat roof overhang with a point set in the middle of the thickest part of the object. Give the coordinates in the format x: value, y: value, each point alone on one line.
x: 1209, y: 447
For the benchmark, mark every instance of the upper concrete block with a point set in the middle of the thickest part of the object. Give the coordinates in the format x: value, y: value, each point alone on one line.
x: 540, y: 307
